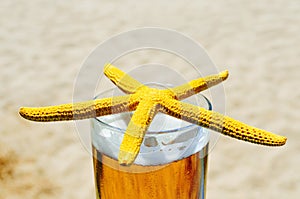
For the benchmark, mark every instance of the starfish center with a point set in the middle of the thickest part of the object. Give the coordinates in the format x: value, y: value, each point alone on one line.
x: 154, y: 94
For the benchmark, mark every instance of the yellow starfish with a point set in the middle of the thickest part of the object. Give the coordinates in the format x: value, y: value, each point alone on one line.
x: 146, y: 102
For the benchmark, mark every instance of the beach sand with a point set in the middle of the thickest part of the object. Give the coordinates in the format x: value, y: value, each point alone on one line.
x: 42, y: 47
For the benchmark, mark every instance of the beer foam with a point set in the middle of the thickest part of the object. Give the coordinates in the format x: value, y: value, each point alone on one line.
x: 168, y: 139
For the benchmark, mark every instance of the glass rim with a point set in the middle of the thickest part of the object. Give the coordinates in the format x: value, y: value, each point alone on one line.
x: 115, y: 128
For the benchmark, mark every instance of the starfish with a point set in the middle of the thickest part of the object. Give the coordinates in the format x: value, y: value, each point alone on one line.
x: 146, y: 102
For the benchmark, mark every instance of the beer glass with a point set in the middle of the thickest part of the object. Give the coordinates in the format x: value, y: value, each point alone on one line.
x: 171, y: 164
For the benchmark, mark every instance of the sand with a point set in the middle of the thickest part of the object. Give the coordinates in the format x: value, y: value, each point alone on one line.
x: 42, y: 46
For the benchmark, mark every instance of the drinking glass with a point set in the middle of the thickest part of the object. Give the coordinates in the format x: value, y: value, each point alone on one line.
x: 171, y: 164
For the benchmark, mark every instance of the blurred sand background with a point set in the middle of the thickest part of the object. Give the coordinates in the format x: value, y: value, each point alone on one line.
x: 42, y: 46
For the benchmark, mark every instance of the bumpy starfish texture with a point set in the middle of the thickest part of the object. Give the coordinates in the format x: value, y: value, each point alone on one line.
x: 146, y: 102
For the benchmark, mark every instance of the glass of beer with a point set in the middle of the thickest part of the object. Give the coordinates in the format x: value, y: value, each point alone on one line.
x: 171, y: 164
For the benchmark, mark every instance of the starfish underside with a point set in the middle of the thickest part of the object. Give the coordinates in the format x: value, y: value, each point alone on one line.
x: 146, y: 102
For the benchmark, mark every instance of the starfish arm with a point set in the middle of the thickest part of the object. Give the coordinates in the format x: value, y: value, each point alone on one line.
x: 80, y: 110
x: 135, y: 131
x: 198, y: 85
x: 122, y: 80
x: 221, y: 123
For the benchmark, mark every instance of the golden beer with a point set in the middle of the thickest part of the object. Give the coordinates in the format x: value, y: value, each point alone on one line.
x: 183, y: 178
